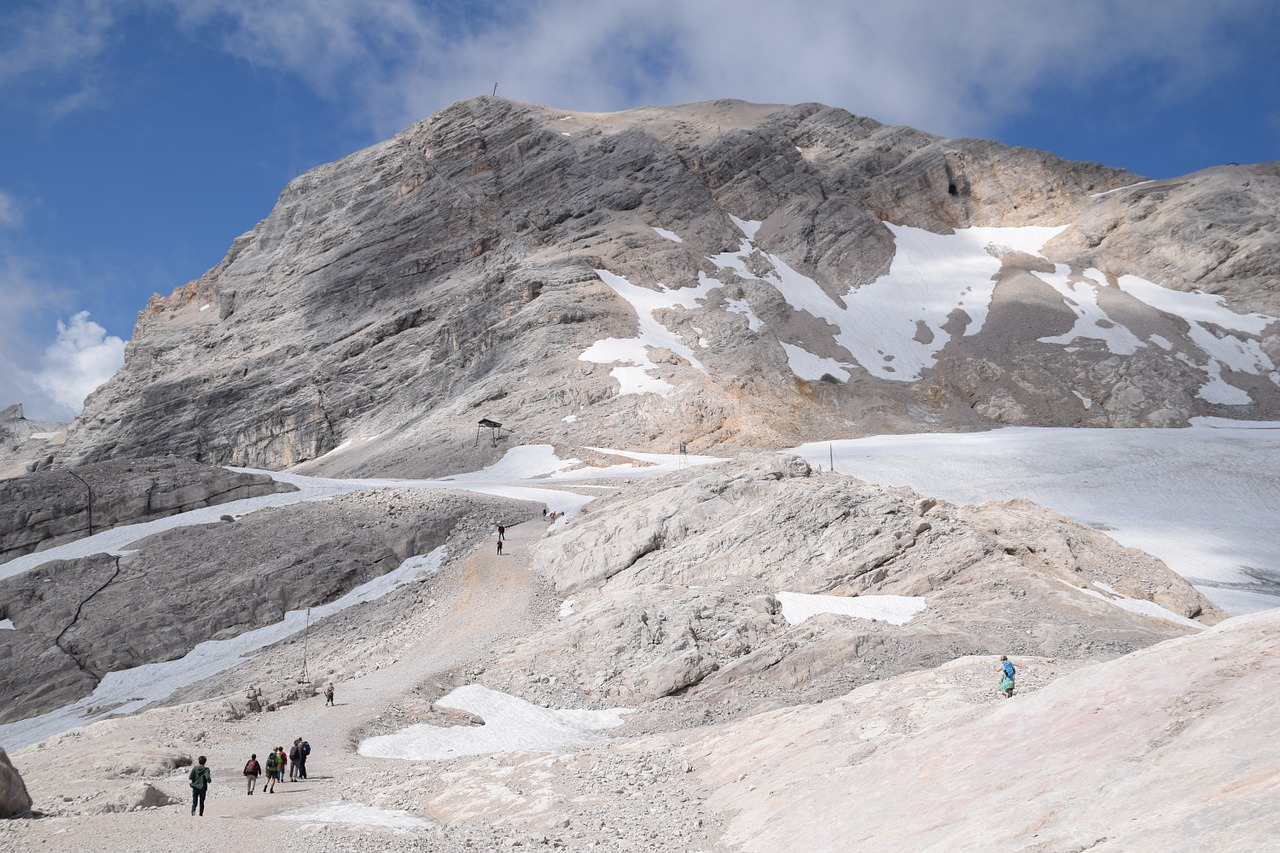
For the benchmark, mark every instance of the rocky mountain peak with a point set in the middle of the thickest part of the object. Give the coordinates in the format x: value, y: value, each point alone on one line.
x: 723, y: 275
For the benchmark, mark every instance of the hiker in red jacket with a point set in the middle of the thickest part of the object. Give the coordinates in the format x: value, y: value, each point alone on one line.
x: 252, y: 770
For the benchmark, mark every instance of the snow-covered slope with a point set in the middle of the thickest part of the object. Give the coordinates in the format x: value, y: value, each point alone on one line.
x: 1197, y: 498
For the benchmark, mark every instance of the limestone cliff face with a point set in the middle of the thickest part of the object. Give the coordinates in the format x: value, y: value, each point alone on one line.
x: 722, y: 274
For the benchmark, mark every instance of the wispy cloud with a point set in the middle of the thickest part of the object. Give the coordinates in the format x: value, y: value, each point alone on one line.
x: 956, y: 67
x: 52, y: 47
x: 46, y: 364
x: 10, y: 211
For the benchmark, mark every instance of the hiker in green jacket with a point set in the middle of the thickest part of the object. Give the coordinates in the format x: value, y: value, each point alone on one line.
x: 200, y: 779
x: 273, y: 772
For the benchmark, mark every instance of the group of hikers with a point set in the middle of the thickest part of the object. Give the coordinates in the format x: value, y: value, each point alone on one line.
x: 274, y: 768
x: 277, y: 761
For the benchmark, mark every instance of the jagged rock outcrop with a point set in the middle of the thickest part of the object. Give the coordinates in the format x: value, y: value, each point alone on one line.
x: 47, y: 508
x: 496, y: 260
x: 14, y: 799
x: 24, y: 444
x: 674, y: 587
x: 176, y: 589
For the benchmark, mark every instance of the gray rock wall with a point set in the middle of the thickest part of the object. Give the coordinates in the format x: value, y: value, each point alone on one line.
x: 47, y: 508
x: 76, y: 620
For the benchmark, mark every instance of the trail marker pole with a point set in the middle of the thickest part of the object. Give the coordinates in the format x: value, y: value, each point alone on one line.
x: 305, y: 637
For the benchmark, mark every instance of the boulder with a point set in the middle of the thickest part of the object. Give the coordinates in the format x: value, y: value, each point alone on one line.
x: 14, y: 799
x: 131, y: 798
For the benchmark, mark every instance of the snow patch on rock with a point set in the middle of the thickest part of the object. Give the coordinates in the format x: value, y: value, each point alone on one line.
x: 510, y: 724
x: 897, y: 609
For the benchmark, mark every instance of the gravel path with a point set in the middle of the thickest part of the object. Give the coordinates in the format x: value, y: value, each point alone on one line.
x: 483, y: 600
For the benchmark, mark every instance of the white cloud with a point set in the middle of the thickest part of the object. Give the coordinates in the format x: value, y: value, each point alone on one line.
x: 81, y: 358
x: 53, y: 46
x: 10, y: 212
x: 956, y: 67
x: 50, y: 379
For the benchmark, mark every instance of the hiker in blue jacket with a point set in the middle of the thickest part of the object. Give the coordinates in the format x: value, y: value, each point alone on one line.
x: 1006, y: 682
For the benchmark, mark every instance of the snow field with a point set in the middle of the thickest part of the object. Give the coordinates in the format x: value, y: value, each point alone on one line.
x: 1202, y: 499
x: 357, y: 814
x: 896, y: 609
x: 510, y: 724
x: 893, y: 327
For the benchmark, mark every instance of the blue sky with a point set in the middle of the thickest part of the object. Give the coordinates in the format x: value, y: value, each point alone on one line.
x: 139, y: 137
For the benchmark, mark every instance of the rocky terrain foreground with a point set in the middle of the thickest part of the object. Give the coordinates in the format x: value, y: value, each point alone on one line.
x: 748, y: 732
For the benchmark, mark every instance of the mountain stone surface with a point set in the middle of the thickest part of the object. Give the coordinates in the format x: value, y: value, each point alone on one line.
x: 14, y: 799
x: 24, y: 444
x: 720, y: 275
x: 47, y: 508
x: 748, y: 729
x: 74, y: 621
x: 807, y: 661
x: 674, y: 586
x: 1145, y: 752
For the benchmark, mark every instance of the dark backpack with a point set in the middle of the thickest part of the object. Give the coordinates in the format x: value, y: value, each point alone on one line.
x: 273, y: 761
x: 251, y: 768
x: 294, y: 752
x: 306, y: 748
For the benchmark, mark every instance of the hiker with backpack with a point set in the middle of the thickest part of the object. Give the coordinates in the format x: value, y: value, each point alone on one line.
x: 273, y: 770
x: 304, y: 749
x: 282, y: 762
x: 1006, y: 681
x: 200, y: 777
x: 252, y: 770
x: 295, y: 759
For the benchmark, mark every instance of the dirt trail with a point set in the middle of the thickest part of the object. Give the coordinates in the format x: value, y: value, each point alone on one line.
x: 481, y: 601
x: 486, y: 600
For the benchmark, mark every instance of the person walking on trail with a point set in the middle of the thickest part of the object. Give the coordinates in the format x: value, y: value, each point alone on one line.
x: 273, y: 767
x: 328, y: 695
x: 252, y: 770
x: 1006, y: 681
x: 283, y: 758
x: 502, y: 532
x: 295, y: 756
x: 304, y: 749
x: 499, y: 547
x: 200, y: 777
